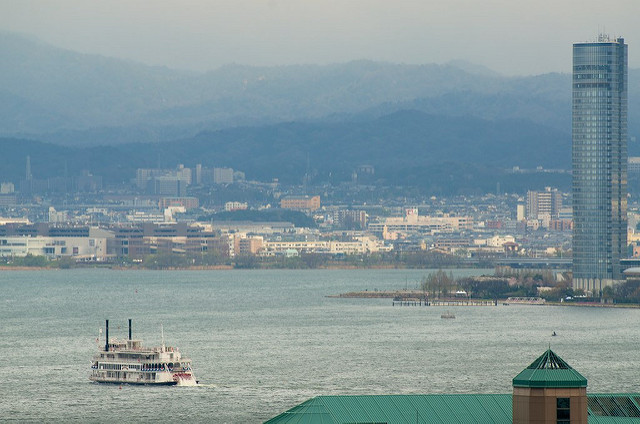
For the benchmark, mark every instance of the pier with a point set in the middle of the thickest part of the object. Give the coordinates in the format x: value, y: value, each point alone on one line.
x: 410, y: 302
x: 463, y: 302
x: 443, y: 302
x: 416, y: 298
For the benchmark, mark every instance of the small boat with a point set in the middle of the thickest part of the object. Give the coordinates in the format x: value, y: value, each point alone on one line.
x: 447, y: 315
x: 128, y: 362
x: 554, y: 334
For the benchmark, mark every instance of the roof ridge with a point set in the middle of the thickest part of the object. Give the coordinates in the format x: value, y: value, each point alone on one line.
x: 549, y: 360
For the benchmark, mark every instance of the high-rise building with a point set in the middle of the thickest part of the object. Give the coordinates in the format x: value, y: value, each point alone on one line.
x: 599, y: 162
x: 547, y: 202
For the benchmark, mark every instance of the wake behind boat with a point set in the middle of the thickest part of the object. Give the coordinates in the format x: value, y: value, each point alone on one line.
x: 127, y: 361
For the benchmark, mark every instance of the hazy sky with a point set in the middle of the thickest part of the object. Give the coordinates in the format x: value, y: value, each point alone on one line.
x: 509, y: 36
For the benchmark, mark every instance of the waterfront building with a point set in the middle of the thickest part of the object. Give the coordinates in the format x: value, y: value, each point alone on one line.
x: 134, y: 241
x: 247, y: 246
x: 138, y: 241
x: 599, y: 162
x: 90, y: 244
x: 358, y: 246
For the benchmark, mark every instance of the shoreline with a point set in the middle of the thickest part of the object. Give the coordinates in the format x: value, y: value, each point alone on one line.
x: 380, y: 294
x: 27, y: 268
x: 416, y: 295
x: 217, y: 267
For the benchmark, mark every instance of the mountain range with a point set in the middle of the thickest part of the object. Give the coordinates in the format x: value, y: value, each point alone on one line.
x: 107, y: 114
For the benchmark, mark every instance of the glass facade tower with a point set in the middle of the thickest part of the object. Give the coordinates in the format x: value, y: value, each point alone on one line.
x: 599, y: 163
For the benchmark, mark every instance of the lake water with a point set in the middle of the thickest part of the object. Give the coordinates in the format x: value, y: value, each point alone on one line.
x: 263, y: 341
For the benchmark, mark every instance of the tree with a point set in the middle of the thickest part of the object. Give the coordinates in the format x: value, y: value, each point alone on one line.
x: 607, y: 293
x: 32, y: 261
x: 165, y: 261
x: 438, y: 282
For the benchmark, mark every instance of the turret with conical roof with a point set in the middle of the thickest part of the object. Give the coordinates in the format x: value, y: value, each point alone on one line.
x: 549, y: 391
x: 549, y: 370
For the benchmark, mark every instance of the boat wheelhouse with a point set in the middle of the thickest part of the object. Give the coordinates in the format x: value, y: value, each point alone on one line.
x: 128, y: 361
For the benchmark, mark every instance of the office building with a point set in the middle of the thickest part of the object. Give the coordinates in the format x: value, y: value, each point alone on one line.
x: 599, y: 162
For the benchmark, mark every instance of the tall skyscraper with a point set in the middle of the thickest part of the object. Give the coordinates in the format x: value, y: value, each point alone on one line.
x: 599, y: 162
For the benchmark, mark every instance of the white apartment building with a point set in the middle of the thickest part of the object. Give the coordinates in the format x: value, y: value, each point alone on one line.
x: 361, y: 245
x: 412, y: 222
x: 94, y: 246
x: 495, y: 241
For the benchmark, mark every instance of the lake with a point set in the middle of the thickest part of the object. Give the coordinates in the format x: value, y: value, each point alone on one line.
x: 264, y: 341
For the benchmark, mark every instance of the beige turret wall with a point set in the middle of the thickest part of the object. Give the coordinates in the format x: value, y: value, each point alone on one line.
x: 540, y: 405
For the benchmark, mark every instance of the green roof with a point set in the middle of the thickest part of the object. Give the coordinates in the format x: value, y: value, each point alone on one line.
x: 623, y: 408
x: 549, y: 370
x: 400, y: 409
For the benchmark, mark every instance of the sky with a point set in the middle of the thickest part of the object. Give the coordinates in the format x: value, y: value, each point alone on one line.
x: 513, y: 37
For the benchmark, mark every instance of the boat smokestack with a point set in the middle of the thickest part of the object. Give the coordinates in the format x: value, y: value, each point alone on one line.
x: 129, y: 328
x: 106, y: 338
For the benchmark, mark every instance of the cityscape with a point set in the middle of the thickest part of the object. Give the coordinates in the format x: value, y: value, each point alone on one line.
x: 369, y: 239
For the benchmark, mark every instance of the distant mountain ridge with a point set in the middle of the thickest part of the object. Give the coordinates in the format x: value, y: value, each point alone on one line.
x: 445, y: 128
x: 70, y: 98
x: 408, y: 147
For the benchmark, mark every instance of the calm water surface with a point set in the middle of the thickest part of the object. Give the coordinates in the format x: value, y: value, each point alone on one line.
x: 263, y: 341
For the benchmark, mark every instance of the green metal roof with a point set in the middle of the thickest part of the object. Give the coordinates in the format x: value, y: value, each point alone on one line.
x: 410, y: 409
x: 400, y: 409
x: 549, y: 370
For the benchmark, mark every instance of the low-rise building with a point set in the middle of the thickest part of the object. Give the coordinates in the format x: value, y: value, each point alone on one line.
x: 413, y: 223
x: 185, y: 202
x: 235, y: 206
x: 309, y: 203
x: 360, y: 245
x: 248, y: 245
x: 93, y: 245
